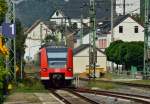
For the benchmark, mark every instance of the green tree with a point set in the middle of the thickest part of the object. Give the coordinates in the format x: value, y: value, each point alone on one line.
x: 110, y: 51
x: 126, y: 53
x: 4, y: 74
x: 134, y: 54
x: 50, y: 38
x: 3, y: 10
x: 20, y: 41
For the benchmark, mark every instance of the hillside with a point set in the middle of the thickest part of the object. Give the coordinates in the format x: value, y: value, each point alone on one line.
x: 28, y: 11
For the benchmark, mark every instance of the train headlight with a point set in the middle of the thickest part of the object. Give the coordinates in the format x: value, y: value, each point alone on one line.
x: 70, y: 69
x: 65, y: 65
x: 44, y: 69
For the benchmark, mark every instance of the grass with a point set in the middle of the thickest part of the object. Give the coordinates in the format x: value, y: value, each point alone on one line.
x: 147, y: 82
x: 111, y: 76
x: 30, y: 85
x: 102, y: 85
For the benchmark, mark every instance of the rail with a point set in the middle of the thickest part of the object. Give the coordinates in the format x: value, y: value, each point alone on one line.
x: 68, y: 99
x: 120, y: 83
x: 136, y: 98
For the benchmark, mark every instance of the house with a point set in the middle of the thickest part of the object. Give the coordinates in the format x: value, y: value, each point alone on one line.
x: 35, y: 35
x: 125, y: 28
x: 61, y: 19
x: 39, y: 30
x: 85, y: 39
x: 82, y: 53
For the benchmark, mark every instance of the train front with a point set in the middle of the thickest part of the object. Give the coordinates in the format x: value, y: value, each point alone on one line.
x: 56, y: 66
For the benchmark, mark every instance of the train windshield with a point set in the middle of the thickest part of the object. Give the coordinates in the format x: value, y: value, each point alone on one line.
x: 57, y: 59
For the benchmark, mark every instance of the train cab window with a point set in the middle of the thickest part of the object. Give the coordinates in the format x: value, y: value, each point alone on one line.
x: 136, y: 29
x: 57, y: 59
x: 120, y: 29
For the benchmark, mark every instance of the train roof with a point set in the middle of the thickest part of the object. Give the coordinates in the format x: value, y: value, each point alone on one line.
x: 54, y: 45
x: 58, y: 49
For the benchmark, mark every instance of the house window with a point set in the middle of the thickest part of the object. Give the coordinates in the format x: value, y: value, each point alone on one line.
x: 102, y: 43
x: 120, y: 29
x: 57, y: 13
x: 136, y: 29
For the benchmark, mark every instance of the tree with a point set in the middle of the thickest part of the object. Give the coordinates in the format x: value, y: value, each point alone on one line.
x: 3, y: 10
x: 50, y: 38
x: 110, y: 51
x: 126, y: 53
x: 134, y: 55
x: 20, y: 40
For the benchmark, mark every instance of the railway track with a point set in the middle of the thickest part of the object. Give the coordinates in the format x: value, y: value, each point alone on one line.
x: 69, y: 96
x: 74, y: 96
x: 120, y: 83
x: 135, y: 98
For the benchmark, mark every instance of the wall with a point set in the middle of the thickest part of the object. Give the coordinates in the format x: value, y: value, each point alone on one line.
x: 81, y: 60
x: 128, y: 31
x: 33, y: 41
x: 85, y: 40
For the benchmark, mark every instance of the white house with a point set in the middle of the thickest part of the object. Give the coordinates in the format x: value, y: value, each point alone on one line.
x: 82, y: 53
x: 128, y: 6
x: 125, y: 29
x: 35, y: 34
x: 85, y: 40
x: 61, y: 19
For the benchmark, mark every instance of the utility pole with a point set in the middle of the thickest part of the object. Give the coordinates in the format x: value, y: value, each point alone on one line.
x: 41, y: 34
x: 146, y: 70
x: 112, y: 26
x: 14, y: 44
x: 10, y: 18
x: 81, y: 33
x: 112, y: 19
x: 92, y: 37
x: 124, y: 7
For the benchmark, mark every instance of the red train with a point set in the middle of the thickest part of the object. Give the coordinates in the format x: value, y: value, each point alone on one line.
x: 56, y: 66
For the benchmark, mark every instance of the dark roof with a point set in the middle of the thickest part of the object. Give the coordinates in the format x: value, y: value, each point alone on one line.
x: 106, y: 26
x: 82, y: 47
x: 49, y: 24
x: 33, y: 26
